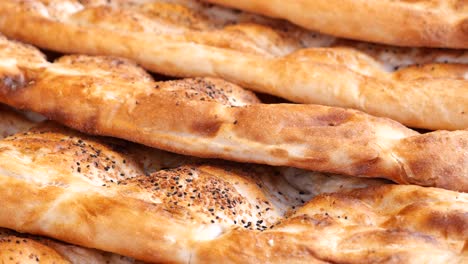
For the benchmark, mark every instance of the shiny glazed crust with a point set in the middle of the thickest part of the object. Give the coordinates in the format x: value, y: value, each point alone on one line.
x: 212, y: 118
x: 426, y: 23
x: 100, y: 194
x: 189, y: 39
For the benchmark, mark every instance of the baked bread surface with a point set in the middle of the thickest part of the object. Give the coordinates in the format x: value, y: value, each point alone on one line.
x: 98, y: 193
x: 24, y: 248
x: 427, y: 23
x: 127, y: 199
x: 190, y: 39
x: 106, y: 193
x: 28, y: 249
x: 212, y: 118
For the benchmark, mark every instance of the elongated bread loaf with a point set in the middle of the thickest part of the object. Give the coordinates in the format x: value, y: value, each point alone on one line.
x: 430, y: 23
x: 27, y: 249
x: 215, y: 119
x: 94, y: 193
x: 189, y: 39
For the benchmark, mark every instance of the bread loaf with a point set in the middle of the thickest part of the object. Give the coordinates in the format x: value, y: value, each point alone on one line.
x: 427, y: 23
x: 212, y: 118
x: 94, y: 193
x: 188, y: 39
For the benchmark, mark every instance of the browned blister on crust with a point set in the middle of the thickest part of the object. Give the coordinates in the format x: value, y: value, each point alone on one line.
x: 96, y: 193
x: 211, y: 118
x: 187, y: 38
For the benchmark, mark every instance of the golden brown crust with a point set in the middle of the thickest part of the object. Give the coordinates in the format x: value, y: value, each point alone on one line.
x: 426, y: 23
x: 186, y: 38
x: 19, y: 250
x: 207, y: 117
x: 417, y: 153
x: 206, y: 213
x: 362, y: 226
x: 25, y: 249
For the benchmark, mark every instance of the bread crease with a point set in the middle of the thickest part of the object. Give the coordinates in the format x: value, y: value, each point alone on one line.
x: 189, y: 39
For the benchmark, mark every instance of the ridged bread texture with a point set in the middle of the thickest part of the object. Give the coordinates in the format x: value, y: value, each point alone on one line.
x: 187, y: 38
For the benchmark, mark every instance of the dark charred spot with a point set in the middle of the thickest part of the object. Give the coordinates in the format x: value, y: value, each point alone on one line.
x: 207, y: 128
x: 280, y: 153
x: 334, y: 117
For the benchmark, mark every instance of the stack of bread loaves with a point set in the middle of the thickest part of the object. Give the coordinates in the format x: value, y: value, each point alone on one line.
x: 103, y: 162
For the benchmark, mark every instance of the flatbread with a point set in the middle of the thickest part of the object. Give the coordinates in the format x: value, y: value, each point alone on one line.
x: 24, y: 248
x: 189, y: 39
x: 92, y: 193
x: 211, y: 118
x: 427, y: 23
